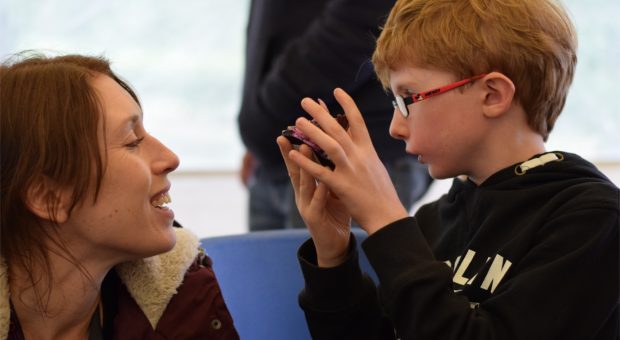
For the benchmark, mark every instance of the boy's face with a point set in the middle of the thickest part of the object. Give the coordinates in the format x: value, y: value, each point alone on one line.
x: 445, y: 131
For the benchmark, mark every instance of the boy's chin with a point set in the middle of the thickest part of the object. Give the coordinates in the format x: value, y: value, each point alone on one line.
x: 438, y: 173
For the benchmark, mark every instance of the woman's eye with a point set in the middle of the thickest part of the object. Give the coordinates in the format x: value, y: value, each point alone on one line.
x: 135, y: 143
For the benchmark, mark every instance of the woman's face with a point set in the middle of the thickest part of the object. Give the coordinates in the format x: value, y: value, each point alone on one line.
x: 129, y: 219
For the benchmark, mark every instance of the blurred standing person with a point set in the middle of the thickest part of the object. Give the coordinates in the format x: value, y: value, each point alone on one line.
x: 305, y: 49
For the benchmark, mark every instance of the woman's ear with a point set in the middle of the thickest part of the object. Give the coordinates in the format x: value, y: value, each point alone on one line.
x: 499, y: 93
x: 48, y: 200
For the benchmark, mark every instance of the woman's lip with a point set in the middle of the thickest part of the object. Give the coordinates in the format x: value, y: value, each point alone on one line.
x: 159, y: 193
x: 169, y: 213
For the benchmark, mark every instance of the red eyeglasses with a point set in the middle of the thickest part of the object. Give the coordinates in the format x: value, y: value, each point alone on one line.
x: 402, y: 103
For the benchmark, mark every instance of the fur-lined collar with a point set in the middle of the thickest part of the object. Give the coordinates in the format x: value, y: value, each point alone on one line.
x: 5, y: 310
x: 151, y: 282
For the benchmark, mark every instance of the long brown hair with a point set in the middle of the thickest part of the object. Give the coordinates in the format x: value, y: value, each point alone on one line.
x: 50, y: 115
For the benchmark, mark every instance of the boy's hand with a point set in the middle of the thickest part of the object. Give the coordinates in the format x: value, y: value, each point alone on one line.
x: 326, y: 217
x: 359, y: 180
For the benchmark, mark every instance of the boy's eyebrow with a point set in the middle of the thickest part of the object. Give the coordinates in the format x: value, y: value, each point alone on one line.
x: 403, y: 87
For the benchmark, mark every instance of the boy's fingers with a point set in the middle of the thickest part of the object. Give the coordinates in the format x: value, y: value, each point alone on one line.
x: 331, y: 136
x: 314, y: 109
x: 320, y: 195
x: 308, y: 164
x: 323, y: 105
x: 357, y: 133
x: 307, y: 183
x: 292, y: 168
x: 357, y: 126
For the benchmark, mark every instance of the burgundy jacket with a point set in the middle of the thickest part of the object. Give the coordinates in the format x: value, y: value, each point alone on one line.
x: 171, y: 296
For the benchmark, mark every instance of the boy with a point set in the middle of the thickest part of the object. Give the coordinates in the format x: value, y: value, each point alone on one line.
x: 525, y: 247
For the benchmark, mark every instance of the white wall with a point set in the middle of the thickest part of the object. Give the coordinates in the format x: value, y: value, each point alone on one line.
x: 215, y: 204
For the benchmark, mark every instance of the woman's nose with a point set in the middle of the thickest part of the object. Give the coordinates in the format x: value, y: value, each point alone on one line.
x: 166, y: 160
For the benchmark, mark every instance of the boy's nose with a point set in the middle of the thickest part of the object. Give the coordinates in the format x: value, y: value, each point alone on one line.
x: 398, y: 125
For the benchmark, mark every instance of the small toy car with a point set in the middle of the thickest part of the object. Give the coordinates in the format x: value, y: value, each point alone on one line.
x: 296, y: 137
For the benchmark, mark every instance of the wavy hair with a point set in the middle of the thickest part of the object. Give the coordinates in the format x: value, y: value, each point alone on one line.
x: 49, y: 121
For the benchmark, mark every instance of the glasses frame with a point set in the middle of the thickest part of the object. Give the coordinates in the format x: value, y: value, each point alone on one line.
x: 402, y: 102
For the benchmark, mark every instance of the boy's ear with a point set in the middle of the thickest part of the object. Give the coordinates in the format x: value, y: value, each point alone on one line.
x: 48, y: 200
x: 499, y: 93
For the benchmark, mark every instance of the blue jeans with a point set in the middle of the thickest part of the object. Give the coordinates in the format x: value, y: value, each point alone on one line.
x: 272, y: 201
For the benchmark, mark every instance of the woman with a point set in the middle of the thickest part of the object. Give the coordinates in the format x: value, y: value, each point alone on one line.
x: 88, y: 247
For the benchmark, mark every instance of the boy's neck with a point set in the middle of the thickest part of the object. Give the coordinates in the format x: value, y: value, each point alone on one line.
x: 510, y: 140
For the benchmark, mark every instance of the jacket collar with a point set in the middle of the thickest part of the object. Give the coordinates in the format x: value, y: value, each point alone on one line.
x: 151, y: 282
x: 5, y: 310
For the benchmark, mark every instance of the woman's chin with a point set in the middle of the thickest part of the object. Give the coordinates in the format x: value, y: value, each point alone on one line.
x: 163, y: 244
x: 169, y: 241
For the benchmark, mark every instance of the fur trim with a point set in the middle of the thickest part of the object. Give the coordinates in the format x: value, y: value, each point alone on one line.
x: 153, y: 281
x: 5, y: 310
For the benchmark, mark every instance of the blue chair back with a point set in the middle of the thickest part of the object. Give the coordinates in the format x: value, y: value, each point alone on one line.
x: 260, y: 279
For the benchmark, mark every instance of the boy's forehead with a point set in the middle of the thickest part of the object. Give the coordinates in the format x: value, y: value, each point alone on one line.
x: 407, y: 75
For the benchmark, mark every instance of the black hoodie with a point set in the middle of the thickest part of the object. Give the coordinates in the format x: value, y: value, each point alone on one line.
x: 532, y: 256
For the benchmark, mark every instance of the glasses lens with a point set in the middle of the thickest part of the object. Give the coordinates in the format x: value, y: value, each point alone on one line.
x: 402, y: 107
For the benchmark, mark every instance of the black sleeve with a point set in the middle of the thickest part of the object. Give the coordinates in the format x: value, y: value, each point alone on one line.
x: 341, y: 302
x: 334, y: 51
x: 564, y: 287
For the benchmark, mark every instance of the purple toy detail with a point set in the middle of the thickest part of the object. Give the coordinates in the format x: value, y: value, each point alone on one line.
x: 297, y: 137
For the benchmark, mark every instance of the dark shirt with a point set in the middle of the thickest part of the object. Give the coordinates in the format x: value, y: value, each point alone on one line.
x: 517, y: 257
x: 298, y: 49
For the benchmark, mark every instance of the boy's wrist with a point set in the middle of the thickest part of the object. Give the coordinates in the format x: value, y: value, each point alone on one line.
x: 331, y: 261
x: 380, y: 221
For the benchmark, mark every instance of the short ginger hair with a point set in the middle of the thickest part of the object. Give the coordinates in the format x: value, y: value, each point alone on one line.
x: 532, y: 42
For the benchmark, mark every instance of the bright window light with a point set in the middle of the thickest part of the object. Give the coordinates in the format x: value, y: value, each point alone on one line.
x: 185, y: 60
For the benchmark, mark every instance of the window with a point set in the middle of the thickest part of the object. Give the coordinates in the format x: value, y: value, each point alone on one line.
x: 590, y: 122
x: 185, y: 60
